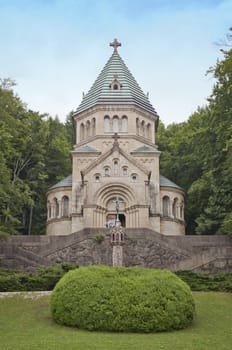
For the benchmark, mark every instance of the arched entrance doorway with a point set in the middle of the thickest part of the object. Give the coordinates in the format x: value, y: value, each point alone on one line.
x: 112, y: 199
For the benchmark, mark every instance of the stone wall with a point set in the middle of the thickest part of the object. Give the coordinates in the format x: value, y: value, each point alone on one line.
x: 143, y: 247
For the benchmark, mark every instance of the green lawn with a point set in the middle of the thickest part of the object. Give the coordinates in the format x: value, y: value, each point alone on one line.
x: 26, y: 324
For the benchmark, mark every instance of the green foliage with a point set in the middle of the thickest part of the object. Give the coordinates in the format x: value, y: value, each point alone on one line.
x: 34, y: 154
x: 43, y: 279
x: 197, y: 155
x: 207, y: 282
x: 99, y: 238
x: 70, y: 129
x: 122, y: 299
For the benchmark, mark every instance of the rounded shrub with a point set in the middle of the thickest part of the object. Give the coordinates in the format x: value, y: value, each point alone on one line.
x: 122, y: 299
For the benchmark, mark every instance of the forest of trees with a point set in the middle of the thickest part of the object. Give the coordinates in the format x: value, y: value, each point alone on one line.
x: 34, y: 155
x: 196, y: 154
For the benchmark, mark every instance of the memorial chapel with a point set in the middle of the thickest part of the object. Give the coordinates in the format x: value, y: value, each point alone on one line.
x: 115, y: 163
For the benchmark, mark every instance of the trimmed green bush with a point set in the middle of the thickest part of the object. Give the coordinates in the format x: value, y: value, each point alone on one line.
x: 122, y: 299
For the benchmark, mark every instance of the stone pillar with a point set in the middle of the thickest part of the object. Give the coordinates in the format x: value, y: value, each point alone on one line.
x: 117, y: 255
x: 117, y: 241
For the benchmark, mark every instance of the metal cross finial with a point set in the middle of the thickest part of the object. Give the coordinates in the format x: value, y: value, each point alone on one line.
x: 115, y: 44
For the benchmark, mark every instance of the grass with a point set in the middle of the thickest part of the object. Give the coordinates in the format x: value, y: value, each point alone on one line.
x: 26, y: 324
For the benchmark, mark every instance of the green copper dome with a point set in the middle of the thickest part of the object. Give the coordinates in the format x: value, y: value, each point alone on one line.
x: 116, y: 85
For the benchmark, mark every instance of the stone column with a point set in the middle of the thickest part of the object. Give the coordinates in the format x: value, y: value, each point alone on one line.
x: 117, y: 241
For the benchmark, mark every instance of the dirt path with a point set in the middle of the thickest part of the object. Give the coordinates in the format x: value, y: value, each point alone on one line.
x: 25, y: 295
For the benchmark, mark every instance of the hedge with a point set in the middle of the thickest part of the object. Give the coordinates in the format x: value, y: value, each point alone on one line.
x: 43, y: 279
x: 46, y: 279
x: 206, y: 282
x: 122, y: 299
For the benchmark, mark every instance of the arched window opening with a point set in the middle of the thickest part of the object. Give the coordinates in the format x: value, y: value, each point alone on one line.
x: 137, y: 126
x: 166, y: 206
x: 124, y: 123
x: 88, y: 128
x: 134, y: 177
x: 124, y: 171
x: 149, y: 131
x: 175, y: 208
x: 56, y: 208
x: 107, y: 171
x: 116, y: 168
x: 107, y: 123
x: 65, y: 206
x: 49, y: 210
x: 115, y: 124
x: 181, y: 211
x: 115, y: 84
x: 97, y: 178
x: 82, y: 132
x: 143, y: 128
x: 93, y: 126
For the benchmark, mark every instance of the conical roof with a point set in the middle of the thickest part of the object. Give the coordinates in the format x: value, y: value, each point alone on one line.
x: 128, y: 92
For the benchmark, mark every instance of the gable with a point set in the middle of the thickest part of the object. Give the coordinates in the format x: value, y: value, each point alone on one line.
x: 109, y: 158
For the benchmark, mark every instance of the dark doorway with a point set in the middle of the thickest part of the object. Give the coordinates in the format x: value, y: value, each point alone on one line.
x: 122, y: 219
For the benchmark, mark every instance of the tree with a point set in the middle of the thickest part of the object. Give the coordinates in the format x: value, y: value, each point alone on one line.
x: 197, y: 155
x: 34, y: 154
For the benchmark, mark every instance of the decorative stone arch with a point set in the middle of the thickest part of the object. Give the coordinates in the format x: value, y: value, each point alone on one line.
x: 124, y: 123
x: 56, y: 208
x: 88, y: 130
x: 124, y: 170
x: 115, y: 123
x: 115, y: 84
x: 175, y: 208
x: 107, y: 170
x: 182, y: 210
x: 107, y: 123
x: 142, y: 128
x: 82, y: 132
x: 137, y: 126
x: 134, y: 177
x: 93, y: 126
x: 104, y: 198
x: 148, y: 131
x: 49, y: 208
x: 116, y: 167
x: 65, y: 206
x: 166, y: 205
x: 97, y: 177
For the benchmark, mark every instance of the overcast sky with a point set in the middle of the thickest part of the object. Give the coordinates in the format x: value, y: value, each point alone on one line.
x: 55, y: 49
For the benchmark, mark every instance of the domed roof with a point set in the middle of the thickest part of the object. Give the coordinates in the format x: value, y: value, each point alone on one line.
x: 66, y: 182
x: 165, y: 182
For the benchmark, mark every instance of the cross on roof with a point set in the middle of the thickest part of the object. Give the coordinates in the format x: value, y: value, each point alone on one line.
x: 115, y: 44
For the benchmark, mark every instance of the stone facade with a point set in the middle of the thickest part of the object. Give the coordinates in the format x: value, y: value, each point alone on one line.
x: 115, y: 155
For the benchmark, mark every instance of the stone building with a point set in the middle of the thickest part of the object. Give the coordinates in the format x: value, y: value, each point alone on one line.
x: 115, y: 157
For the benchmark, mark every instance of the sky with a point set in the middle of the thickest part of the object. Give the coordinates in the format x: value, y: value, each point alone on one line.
x: 55, y: 49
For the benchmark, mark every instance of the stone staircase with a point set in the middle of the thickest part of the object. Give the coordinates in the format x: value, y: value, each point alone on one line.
x: 143, y: 247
